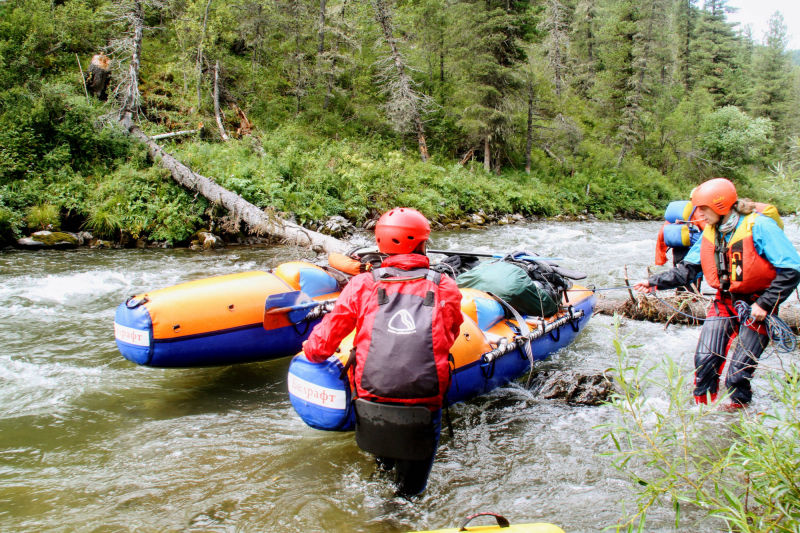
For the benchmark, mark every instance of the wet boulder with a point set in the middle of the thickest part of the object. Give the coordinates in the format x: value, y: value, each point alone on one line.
x: 49, y: 240
x: 205, y: 240
x: 337, y: 226
x: 573, y: 387
x: 84, y: 237
x: 100, y: 244
x: 478, y: 219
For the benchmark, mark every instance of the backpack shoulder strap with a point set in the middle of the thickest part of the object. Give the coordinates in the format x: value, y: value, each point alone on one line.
x: 394, y: 274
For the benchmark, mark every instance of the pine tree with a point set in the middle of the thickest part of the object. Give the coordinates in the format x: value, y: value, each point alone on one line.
x: 712, y: 59
x: 773, y: 74
x: 489, y: 41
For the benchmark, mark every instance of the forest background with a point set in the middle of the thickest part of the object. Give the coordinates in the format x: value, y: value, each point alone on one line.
x: 337, y: 107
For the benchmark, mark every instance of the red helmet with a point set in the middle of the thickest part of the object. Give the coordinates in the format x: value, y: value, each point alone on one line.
x: 719, y: 194
x: 401, y: 230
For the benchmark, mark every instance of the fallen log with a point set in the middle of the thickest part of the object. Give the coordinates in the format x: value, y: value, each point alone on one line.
x: 174, y: 134
x: 259, y: 221
x: 665, y: 308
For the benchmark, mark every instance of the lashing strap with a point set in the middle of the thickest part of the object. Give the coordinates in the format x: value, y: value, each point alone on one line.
x: 524, y: 330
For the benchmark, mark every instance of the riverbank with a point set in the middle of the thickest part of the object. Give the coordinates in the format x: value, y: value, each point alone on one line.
x: 335, y: 226
x: 323, y: 183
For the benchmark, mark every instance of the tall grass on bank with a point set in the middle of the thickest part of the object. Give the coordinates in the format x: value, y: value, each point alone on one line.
x: 314, y: 177
x: 741, y: 470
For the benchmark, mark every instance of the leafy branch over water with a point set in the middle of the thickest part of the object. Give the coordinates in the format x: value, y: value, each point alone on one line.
x: 742, y: 469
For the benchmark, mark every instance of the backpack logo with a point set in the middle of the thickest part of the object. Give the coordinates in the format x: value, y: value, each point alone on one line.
x: 402, y: 323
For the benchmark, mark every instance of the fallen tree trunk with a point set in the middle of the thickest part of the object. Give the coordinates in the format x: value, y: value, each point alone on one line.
x: 655, y: 310
x: 174, y: 134
x: 259, y: 221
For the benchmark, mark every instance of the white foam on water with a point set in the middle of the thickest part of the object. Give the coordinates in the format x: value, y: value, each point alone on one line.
x: 71, y: 289
x: 37, y: 388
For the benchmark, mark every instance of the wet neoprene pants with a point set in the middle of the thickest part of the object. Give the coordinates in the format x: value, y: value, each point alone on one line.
x: 720, y: 327
x: 412, y: 476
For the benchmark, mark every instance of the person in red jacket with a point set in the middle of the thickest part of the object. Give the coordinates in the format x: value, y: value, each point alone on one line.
x: 406, y: 318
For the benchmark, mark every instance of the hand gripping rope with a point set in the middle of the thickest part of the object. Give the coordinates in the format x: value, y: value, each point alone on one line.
x: 779, y: 333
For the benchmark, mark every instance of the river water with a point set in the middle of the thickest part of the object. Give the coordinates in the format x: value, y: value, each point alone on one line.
x: 92, y: 442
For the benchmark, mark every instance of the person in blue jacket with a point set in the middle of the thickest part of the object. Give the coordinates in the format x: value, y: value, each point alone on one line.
x: 747, y: 258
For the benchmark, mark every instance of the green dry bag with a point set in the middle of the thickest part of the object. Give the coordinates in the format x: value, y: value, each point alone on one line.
x: 513, y: 284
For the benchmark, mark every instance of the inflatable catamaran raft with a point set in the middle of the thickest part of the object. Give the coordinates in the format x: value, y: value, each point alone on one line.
x: 220, y: 320
x: 258, y: 316
x: 491, y: 350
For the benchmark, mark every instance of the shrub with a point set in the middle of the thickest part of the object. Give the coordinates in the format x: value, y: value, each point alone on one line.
x: 732, y: 138
x: 10, y: 223
x: 103, y: 221
x: 744, y: 475
x: 43, y: 216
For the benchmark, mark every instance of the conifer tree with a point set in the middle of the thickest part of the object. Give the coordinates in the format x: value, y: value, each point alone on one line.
x: 713, y: 57
x: 556, y: 44
x: 430, y: 31
x: 126, y: 52
x: 337, y: 57
x: 619, y: 72
x: 405, y: 105
x: 686, y: 14
x: 256, y: 22
x: 773, y: 74
x: 583, y: 44
x: 297, y: 25
x: 489, y: 36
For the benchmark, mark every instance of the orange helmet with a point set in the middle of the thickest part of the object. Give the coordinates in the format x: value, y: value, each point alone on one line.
x: 719, y: 194
x: 401, y: 230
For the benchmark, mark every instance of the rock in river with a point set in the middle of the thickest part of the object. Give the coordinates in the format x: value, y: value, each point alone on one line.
x: 49, y: 239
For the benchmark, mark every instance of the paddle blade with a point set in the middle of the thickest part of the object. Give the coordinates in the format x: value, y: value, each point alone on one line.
x: 286, y: 308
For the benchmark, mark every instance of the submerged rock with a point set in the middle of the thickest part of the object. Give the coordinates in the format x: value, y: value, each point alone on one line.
x: 100, y: 244
x: 49, y: 239
x: 573, y: 387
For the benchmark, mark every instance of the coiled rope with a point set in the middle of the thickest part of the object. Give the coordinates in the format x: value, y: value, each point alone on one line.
x: 778, y: 331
